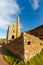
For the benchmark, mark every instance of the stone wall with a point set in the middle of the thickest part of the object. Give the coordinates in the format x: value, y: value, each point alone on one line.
x: 26, y: 46
x: 17, y: 47
x: 32, y: 46
x: 14, y: 30
x: 11, y: 32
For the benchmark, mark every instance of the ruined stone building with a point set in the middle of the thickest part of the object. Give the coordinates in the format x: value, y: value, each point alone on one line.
x: 24, y: 45
x: 14, y: 30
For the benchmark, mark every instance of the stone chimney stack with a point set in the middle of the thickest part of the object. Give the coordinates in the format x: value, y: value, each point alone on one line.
x: 18, y: 27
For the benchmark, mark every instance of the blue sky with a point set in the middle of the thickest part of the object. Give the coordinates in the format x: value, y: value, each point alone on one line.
x: 30, y: 12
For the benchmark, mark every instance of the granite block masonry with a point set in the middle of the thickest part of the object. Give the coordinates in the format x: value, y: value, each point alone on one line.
x: 24, y: 45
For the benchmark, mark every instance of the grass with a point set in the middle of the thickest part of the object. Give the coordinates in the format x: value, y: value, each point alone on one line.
x: 11, y: 58
x: 14, y: 60
x: 37, y: 60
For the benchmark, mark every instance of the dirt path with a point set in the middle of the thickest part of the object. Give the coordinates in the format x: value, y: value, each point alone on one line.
x: 2, y: 61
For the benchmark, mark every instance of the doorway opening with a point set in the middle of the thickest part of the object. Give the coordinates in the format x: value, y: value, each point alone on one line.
x: 12, y: 36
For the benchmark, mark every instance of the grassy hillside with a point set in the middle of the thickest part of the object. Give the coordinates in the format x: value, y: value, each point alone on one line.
x: 38, y: 32
x: 14, y: 60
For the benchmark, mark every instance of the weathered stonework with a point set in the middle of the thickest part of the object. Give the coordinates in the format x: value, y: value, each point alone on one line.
x: 13, y: 30
x: 31, y: 46
x: 23, y: 49
x: 25, y: 45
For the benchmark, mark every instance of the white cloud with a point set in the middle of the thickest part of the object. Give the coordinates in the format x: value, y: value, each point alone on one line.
x: 35, y: 4
x: 7, y: 9
x: 4, y: 24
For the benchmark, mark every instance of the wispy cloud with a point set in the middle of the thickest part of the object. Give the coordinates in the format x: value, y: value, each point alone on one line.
x: 22, y: 8
x: 35, y: 4
x: 4, y: 24
x: 8, y: 8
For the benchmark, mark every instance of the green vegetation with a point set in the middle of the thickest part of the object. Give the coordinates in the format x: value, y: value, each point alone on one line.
x: 37, y: 60
x: 14, y: 60
x: 11, y: 58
